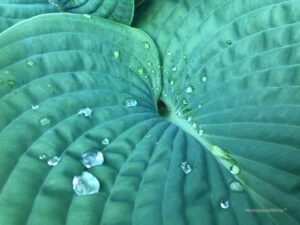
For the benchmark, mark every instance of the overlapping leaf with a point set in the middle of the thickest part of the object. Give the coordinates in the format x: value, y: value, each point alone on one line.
x: 14, y: 11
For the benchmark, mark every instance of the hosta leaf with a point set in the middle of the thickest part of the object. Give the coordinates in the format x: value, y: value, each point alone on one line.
x: 13, y: 11
x: 231, y: 79
x: 51, y: 67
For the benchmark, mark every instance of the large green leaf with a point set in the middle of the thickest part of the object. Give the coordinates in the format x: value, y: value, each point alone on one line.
x: 13, y: 11
x: 63, y: 67
x: 231, y: 73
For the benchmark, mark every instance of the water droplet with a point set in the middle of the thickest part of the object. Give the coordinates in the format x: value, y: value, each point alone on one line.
x: 195, y: 125
x: 184, y: 101
x: 199, y: 106
x: 131, y: 102
x: 189, y: 119
x: 85, y: 184
x: 149, y: 63
x: 229, y: 42
x: 35, y: 107
x: 172, y: 82
x: 146, y: 45
x: 30, y: 63
x: 87, y: 112
x: 105, y: 141
x: 44, y: 121
x: 189, y: 89
x: 87, y: 16
x: 174, y: 69
x: 224, y: 204
x: 178, y: 114
x: 42, y: 156
x: 6, y: 72
x: 131, y: 69
x: 186, y: 168
x: 116, y: 54
x: 201, y: 132
x: 236, y: 186
x: 53, y: 161
x: 169, y: 53
x: 11, y: 83
x: 234, y: 169
x: 140, y: 71
x: 92, y: 158
x: 148, y: 135
x: 204, y: 79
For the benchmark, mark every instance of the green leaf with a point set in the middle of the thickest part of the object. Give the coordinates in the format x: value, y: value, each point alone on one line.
x: 14, y: 11
x: 51, y: 67
x: 231, y: 80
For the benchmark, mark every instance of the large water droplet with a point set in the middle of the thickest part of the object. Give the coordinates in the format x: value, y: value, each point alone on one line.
x: 116, y: 54
x: 92, y: 158
x: 44, y: 121
x: 30, y: 63
x: 85, y: 184
x: 146, y: 45
x: 105, y: 141
x: 87, y: 112
x: 234, y: 169
x: 224, y: 204
x: 131, y: 103
x: 53, y: 161
x: 236, y: 186
x: 186, y: 167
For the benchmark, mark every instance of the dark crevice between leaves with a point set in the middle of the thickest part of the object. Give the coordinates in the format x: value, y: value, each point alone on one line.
x: 162, y: 108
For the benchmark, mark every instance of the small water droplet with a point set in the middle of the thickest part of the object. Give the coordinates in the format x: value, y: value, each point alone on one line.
x: 224, y: 204
x: 131, y: 103
x: 169, y: 53
x: 44, y: 121
x: 87, y: 16
x: 178, y: 114
x: 174, y: 69
x: 105, y: 141
x: 201, y: 132
x: 172, y: 82
x: 116, y: 54
x: 199, y: 106
x: 236, y: 186
x: 184, y: 101
x: 92, y: 158
x: 132, y: 69
x: 42, y: 156
x: 204, y: 79
x: 229, y: 42
x: 30, y: 63
x: 87, y: 112
x: 85, y: 184
x: 53, y: 161
x: 6, y: 72
x: 234, y: 169
x: 149, y: 63
x: 195, y: 125
x: 186, y: 168
x: 35, y: 107
x: 148, y: 135
x: 11, y: 83
x: 146, y: 45
x: 140, y: 71
x: 189, y: 119
x: 189, y: 89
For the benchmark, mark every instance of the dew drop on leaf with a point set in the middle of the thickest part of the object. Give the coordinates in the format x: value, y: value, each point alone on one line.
x: 228, y: 42
x: 30, y: 63
x: 186, y: 167
x: 174, y: 69
x: 6, y: 72
x: 44, y: 121
x: 146, y: 45
x: 224, y: 204
x: 42, y: 156
x: 88, y: 16
x: 131, y: 103
x: 189, y: 89
x: 35, y: 107
x: 105, y: 141
x: 92, y: 158
x: 236, y: 186
x: 140, y: 71
x: 116, y: 54
x: 87, y: 112
x: 201, y: 132
x: 234, y: 169
x: 85, y: 184
x: 184, y: 101
x: 53, y: 161
x: 149, y: 63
